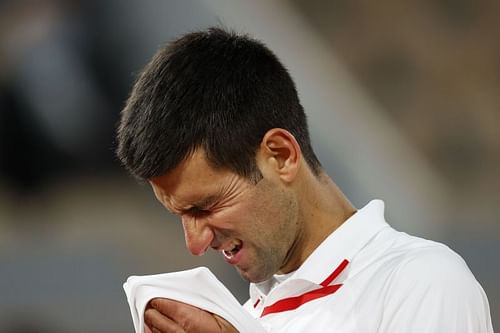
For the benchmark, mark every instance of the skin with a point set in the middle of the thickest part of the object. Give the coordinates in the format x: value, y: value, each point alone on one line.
x: 164, y: 315
x: 278, y: 221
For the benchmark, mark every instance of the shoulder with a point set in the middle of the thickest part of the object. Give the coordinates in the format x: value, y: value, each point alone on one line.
x: 409, y: 267
x: 431, y: 288
x: 415, y: 264
x: 397, y: 254
x: 423, y: 261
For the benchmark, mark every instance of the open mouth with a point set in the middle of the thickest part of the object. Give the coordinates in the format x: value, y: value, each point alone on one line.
x: 231, y: 251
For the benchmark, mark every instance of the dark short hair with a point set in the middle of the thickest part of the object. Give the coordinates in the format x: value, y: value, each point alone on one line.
x: 210, y: 89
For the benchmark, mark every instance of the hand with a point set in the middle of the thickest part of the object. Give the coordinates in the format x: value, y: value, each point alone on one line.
x: 165, y: 315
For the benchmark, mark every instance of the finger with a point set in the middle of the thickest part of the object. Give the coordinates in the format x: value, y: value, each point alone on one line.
x: 159, y: 323
x: 186, y: 316
x: 166, y: 306
x: 224, y: 325
x: 155, y: 330
x: 177, y: 311
x: 147, y: 329
x: 190, y: 318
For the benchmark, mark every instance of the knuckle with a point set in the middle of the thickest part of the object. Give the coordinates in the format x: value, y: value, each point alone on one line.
x: 148, y: 315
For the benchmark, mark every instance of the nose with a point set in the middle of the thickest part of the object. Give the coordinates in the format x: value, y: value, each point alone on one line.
x: 198, y: 235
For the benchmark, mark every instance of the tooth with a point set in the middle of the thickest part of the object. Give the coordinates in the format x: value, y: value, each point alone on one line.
x: 231, y: 250
x: 227, y: 254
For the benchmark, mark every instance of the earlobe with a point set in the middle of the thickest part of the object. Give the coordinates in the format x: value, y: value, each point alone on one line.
x: 282, y: 152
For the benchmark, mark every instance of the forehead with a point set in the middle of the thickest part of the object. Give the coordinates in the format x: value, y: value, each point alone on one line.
x: 192, y: 180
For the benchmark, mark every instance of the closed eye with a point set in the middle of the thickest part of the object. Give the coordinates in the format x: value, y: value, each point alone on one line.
x: 197, y: 212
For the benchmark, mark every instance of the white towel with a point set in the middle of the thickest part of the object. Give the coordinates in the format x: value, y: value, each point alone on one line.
x: 198, y: 287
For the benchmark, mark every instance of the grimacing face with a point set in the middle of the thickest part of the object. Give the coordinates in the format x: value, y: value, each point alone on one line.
x: 254, y: 226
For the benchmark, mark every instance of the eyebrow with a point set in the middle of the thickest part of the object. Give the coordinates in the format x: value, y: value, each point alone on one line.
x: 203, y: 203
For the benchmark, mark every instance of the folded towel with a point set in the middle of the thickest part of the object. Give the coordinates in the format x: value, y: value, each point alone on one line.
x: 198, y: 287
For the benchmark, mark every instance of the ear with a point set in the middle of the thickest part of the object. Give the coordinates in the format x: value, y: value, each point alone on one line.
x: 280, y: 153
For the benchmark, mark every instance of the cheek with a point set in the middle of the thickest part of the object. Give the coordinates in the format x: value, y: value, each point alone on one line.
x: 260, y: 215
x: 231, y: 220
x: 279, y: 217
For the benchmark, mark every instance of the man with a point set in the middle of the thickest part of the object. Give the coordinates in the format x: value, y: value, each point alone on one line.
x: 215, y: 125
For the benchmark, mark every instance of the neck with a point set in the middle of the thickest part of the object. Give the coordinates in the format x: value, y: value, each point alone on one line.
x: 323, y: 208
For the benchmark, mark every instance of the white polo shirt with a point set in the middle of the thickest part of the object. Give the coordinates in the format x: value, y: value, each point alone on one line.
x: 367, y: 277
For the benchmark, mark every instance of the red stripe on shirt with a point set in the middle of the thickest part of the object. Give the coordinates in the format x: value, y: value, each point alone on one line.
x: 256, y: 303
x: 291, y: 303
x: 335, y: 273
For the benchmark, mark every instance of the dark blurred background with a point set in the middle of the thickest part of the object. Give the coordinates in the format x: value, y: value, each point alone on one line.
x: 403, y: 102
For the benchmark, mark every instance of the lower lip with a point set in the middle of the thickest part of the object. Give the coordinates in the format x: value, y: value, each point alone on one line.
x: 235, y: 259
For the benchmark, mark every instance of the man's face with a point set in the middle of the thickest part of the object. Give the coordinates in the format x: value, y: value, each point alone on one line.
x: 254, y: 226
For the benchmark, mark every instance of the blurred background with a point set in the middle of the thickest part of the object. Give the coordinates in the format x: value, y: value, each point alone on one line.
x: 403, y: 103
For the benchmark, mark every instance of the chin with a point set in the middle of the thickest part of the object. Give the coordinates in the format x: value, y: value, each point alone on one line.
x: 253, y: 277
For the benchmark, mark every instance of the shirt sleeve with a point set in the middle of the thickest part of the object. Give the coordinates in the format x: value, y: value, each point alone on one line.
x: 434, y: 291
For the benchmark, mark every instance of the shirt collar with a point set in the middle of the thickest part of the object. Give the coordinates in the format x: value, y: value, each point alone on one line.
x: 344, y: 243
